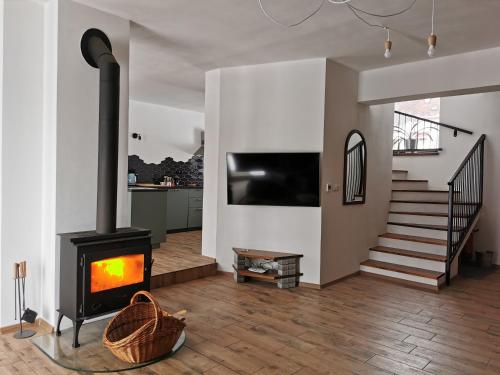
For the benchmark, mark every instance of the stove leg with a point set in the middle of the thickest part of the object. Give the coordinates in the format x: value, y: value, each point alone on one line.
x: 59, y: 319
x: 76, y: 330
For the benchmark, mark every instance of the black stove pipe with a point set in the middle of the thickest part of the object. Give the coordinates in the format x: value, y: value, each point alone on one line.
x: 96, y: 49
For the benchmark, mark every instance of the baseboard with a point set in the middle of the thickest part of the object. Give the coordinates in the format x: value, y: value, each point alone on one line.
x: 39, y: 323
x: 330, y: 283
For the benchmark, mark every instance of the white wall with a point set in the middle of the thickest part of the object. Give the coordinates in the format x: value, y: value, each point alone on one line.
x: 165, y: 131
x: 2, y: 24
x: 478, y: 113
x: 21, y: 149
x: 49, y: 161
x: 266, y: 108
x: 349, y: 231
x: 465, y: 73
x: 49, y: 139
x: 77, y: 122
x: 211, y: 163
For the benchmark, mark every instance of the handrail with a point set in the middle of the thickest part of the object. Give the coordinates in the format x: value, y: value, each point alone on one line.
x: 359, y: 144
x: 455, y: 128
x: 462, y: 165
x: 465, y: 200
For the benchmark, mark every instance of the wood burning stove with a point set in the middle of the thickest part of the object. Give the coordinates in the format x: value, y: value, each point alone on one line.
x: 100, y: 270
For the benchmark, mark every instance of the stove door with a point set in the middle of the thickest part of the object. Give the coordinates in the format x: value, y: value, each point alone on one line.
x: 112, y: 274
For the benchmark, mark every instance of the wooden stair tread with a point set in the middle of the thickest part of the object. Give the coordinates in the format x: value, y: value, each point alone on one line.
x: 414, y: 201
x: 431, y: 202
x: 400, y: 171
x: 406, y: 237
x: 443, y: 228
x: 419, y: 191
x: 407, y: 180
x: 403, y: 269
x: 409, y: 253
x: 416, y: 213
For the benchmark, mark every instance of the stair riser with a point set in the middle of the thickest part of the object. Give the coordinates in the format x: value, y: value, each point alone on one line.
x: 408, y: 261
x: 425, y: 220
x: 418, y: 219
x: 408, y: 185
x: 419, y: 196
x: 399, y: 175
x: 398, y: 275
x: 419, y: 207
x: 420, y: 232
x: 414, y: 246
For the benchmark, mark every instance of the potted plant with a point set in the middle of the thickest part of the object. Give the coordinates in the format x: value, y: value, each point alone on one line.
x: 409, y: 136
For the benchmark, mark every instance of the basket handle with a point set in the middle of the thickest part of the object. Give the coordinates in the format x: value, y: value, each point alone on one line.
x: 157, y: 307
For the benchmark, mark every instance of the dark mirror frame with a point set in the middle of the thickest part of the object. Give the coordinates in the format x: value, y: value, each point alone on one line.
x: 363, y: 176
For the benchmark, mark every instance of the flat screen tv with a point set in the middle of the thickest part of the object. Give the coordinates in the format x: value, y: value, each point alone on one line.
x: 273, y: 179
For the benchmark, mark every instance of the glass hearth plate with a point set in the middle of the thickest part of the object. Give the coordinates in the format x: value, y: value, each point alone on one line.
x: 92, y: 355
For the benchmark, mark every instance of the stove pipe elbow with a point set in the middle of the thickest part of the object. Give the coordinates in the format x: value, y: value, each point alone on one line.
x: 97, y: 51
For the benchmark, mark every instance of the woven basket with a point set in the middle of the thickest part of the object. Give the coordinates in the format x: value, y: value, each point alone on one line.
x: 142, y: 331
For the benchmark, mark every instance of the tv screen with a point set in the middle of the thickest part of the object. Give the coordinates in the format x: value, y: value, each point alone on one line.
x: 273, y: 179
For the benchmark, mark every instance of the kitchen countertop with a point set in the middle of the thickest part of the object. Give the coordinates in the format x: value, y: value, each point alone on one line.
x: 155, y: 187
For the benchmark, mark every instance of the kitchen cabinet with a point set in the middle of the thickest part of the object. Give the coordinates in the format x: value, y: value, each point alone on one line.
x: 195, y: 204
x: 195, y: 217
x: 148, y: 211
x: 184, y: 209
x: 177, y: 209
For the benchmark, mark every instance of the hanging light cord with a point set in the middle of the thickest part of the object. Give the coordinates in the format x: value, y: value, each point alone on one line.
x: 352, y: 8
x: 432, y: 17
x: 355, y: 12
x: 268, y: 15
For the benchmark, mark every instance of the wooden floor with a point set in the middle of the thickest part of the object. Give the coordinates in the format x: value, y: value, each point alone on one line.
x: 358, y: 326
x: 181, y: 251
x: 179, y: 260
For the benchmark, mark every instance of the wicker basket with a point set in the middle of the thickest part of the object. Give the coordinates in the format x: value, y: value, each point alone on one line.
x: 142, y: 331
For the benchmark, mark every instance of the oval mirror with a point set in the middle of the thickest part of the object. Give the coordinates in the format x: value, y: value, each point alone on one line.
x: 355, y: 168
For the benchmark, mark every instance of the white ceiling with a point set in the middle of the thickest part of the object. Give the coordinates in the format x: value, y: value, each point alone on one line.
x: 174, y: 42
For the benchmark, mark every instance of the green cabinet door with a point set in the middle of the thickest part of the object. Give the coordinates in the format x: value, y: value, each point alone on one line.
x: 195, y: 217
x: 148, y: 211
x: 177, y: 209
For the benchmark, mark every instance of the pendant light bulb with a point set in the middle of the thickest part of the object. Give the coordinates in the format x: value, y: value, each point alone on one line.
x: 432, y: 38
x: 387, y: 53
x: 431, y: 51
x: 431, y: 41
x: 388, y: 45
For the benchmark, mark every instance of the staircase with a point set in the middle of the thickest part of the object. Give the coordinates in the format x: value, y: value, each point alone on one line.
x: 427, y: 229
x: 413, y: 249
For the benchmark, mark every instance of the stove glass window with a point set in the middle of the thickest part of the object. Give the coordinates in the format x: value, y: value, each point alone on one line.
x: 116, y: 272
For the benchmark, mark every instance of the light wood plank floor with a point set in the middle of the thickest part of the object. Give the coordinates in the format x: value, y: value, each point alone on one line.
x: 358, y: 326
x: 181, y: 251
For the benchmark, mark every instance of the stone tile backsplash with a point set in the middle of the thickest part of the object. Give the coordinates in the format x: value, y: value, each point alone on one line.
x: 185, y: 173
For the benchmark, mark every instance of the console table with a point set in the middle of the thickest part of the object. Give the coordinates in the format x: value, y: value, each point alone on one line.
x: 285, y: 270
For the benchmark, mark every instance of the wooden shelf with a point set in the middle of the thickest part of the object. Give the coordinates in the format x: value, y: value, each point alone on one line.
x: 268, y: 276
x: 287, y: 262
x: 263, y: 254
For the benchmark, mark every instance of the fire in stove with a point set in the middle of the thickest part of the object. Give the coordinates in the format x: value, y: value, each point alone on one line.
x: 116, y: 272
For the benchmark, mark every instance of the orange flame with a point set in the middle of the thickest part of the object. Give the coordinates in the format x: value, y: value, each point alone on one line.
x: 116, y: 272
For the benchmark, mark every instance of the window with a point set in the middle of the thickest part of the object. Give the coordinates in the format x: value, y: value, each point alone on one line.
x: 415, y: 127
